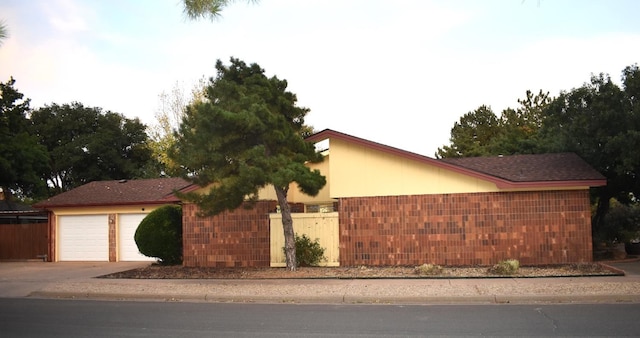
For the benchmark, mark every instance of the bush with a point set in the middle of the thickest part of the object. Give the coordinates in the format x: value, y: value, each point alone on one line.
x: 428, y: 269
x: 508, y: 267
x: 159, y: 235
x: 621, y: 224
x: 308, y: 253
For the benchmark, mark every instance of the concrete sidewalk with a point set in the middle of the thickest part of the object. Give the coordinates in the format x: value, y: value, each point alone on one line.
x: 76, y: 281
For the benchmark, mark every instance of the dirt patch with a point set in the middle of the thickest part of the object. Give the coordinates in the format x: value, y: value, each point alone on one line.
x: 155, y: 271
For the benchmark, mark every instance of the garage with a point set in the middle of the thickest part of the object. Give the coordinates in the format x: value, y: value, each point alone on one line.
x: 98, y: 220
x: 128, y: 250
x: 83, y: 238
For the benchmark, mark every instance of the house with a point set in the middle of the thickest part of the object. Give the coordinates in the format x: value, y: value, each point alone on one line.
x: 97, y: 221
x: 399, y: 208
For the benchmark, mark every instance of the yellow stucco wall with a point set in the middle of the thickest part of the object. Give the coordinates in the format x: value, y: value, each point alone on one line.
x: 361, y: 171
x: 354, y: 170
x: 134, y: 209
x: 295, y: 196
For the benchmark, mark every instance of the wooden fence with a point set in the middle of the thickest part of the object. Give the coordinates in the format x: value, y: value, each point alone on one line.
x: 23, y: 241
x: 321, y: 226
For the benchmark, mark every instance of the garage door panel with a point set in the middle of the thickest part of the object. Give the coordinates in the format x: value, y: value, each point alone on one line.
x: 83, y: 238
x: 128, y: 249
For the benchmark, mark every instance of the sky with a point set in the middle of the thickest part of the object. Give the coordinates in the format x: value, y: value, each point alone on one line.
x: 400, y: 73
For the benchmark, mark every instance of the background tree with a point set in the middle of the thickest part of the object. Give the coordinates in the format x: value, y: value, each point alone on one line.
x: 4, y: 32
x: 600, y: 122
x: 520, y: 128
x: 244, y: 136
x: 86, y: 144
x: 472, y: 135
x: 168, y: 118
x: 22, y: 159
x: 482, y: 133
x: 212, y: 9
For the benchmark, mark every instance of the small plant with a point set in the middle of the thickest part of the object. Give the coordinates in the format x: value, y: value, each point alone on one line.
x: 428, y: 270
x: 159, y: 235
x: 506, y: 267
x: 308, y: 253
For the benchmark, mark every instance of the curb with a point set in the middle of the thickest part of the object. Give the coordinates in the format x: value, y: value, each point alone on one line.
x: 345, y: 300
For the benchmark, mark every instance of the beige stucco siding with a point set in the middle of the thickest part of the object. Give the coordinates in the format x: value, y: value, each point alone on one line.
x: 134, y: 209
x: 361, y: 171
x: 295, y: 196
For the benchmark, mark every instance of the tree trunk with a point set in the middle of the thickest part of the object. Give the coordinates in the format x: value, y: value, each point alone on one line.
x: 601, y: 210
x: 287, y: 227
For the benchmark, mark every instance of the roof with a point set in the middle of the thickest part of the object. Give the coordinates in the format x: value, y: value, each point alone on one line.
x: 11, y: 206
x: 122, y: 192
x: 507, y: 172
x: 531, y: 168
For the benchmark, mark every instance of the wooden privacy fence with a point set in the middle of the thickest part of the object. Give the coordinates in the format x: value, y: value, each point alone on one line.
x: 323, y: 226
x: 23, y: 241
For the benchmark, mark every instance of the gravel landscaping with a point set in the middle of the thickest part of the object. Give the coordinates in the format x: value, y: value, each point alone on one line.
x: 155, y: 271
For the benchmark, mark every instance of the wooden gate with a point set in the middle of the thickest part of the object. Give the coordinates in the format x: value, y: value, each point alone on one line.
x: 323, y: 226
x: 24, y: 241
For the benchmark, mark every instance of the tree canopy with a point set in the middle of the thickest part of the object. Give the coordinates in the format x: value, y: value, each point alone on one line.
x: 168, y: 118
x: 22, y: 159
x: 245, y: 135
x: 86, y: 144
x: 599, y: 121
x: 482, y: 133
x: 212, y: 9
x: 4, y: 32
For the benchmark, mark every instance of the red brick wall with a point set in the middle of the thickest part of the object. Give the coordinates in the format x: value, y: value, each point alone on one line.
x: 547, y: 227
x: 112, y: 238
x: 238, y: 238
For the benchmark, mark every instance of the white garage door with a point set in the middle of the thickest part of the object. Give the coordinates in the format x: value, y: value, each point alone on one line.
x: 83, y: 238
x: 128, y: 224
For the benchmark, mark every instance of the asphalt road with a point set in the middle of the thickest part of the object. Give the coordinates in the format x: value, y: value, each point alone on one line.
x: 73, y: 318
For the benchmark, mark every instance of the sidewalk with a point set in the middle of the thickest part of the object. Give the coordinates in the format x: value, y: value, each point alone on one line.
x: 76, y: 281
x: 395, y: 291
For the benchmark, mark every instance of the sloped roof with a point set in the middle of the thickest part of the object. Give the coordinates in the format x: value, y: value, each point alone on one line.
x: 507, y: 172
x: 122, y: 192
x: 531, y: 168
x: 10, y: 206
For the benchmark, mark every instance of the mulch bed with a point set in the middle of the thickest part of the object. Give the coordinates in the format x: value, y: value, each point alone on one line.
x: 155, y: 271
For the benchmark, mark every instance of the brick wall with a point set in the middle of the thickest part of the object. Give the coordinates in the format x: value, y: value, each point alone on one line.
x: 238, y: 238
x: 547, y: 227
x: 113, y: 255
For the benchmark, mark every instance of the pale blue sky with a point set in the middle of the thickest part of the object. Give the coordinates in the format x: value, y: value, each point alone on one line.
x: 395, y: 72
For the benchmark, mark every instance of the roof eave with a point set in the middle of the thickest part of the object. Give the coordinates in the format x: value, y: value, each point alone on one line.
x: 502, y: 184
x: 75, y: 205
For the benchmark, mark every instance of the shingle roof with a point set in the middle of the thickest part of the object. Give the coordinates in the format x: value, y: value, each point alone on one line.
x: 14, y: 206
x: 123, y: 192
x: 531, y: 168
x: 507, y: 172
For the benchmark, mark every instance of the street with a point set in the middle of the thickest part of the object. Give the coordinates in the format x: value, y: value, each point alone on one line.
x: 81, y: 318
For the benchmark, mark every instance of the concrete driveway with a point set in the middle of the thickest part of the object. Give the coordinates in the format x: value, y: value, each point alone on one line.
x: 631, y: 267
x: 19, y: 279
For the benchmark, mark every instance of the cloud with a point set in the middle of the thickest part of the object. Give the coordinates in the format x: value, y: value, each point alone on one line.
x: 67, y: 16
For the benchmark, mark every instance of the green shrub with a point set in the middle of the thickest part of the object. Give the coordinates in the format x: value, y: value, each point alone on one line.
x: 621, y: 224
x: 428, y: 269
x: 508, y: 267
x: 159, y: 235
x: 308, y: 253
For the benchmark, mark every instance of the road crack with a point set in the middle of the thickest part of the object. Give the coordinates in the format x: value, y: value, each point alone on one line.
x: 554, y: 323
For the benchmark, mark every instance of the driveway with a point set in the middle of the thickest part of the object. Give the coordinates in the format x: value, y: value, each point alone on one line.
x: 19, y: 279
x: 630, y: 267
